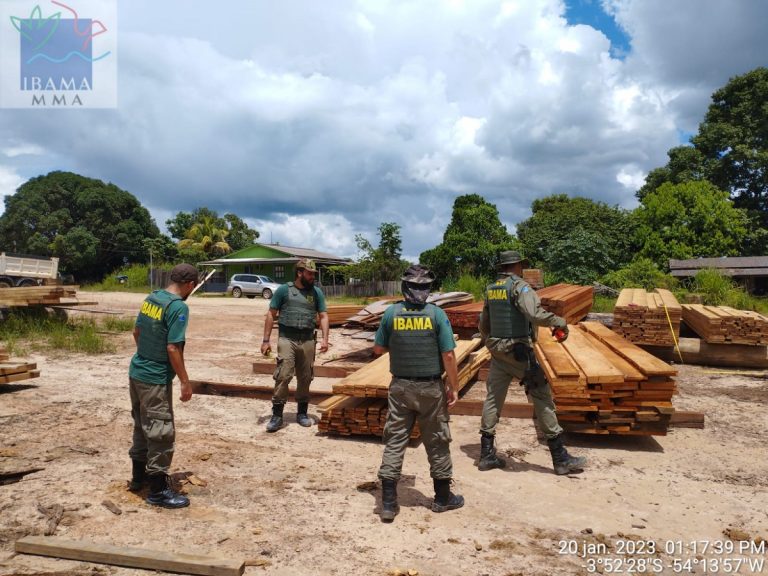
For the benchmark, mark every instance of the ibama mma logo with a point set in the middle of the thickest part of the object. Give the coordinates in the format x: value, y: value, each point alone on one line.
x: 58, y: 54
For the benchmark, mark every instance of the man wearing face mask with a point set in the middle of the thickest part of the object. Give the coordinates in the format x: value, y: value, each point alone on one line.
x: 295, y: 305
x: 509, y: 322
x: 419, y: 339
x: 159, y: 334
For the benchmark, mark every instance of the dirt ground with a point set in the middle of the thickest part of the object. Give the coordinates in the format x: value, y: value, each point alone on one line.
x: 298, y: 502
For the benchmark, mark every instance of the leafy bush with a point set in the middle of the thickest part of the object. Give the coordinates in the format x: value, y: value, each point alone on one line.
x: 641, y: 273
x: 37, y: 329
x: 603, y: 303
x: 716, y: 289
x: 138, y: 279
x: 467, y: 283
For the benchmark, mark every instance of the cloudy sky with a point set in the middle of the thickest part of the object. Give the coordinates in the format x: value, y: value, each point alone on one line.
x: 315, y: 121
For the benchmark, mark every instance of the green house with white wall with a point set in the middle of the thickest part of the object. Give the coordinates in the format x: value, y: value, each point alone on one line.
x: 273, y: 260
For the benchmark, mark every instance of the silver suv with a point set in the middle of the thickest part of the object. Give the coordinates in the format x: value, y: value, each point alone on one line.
x: 252, y: 285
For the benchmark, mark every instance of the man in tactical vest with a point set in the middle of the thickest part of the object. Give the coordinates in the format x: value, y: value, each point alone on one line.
x: 298, y: 303
x: 159, y: 334
x: 509, y: 321
x: 420, y: 342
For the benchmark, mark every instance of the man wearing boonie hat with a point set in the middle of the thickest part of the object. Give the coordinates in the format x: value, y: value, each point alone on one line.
x: 510, y: 317
x: 298, y: 304
x: 159, y: 334
x: 419, y: 339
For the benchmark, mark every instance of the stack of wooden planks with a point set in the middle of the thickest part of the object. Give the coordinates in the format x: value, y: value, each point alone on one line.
x: 41, y: 296
x: 567, y: 300
x: 644, y: 317
x: 370, y: 316
x: 359, y: 403
x: 15, y: 370
x: 603, y: 384
x: 339, y: 313
x: 534, y: 277
x: 465, y: 315
x: 726, y: 325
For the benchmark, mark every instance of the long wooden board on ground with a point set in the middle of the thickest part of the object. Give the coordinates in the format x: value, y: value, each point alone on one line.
x: 603, y: 384
x: 56, y: 547
x: 726, y: 325
x: 41, y: 296
x: 336, y: 370
x: 568, y: 301
x: 699, y: 352
x: 649, y: 318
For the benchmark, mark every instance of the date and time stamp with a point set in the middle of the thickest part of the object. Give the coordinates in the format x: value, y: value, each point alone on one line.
x: 630, y: 556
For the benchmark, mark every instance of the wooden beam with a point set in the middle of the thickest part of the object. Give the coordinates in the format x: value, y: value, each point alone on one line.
x: 56, y: 547
x: 696, y: 351
x: 320, y: 370
x: 259, y: 392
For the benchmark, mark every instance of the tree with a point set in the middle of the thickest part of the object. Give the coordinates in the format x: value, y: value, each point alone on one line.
x: 577, y: 239
x: 238, y: 234
x: 381, y: 263
x: 92, y: 226
x: 689, y: 220
x: 471, y: 242
x: 206, y: 235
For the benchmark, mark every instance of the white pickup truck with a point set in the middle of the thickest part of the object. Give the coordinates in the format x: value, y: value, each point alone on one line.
x: 27, y: 271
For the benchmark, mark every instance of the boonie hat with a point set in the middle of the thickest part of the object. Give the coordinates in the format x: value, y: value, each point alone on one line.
x: 306, y: 264
x: 418, y: 274
x: 510, y: 257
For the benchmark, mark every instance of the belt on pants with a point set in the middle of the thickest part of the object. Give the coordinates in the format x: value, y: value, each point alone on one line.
x: 421, y: 378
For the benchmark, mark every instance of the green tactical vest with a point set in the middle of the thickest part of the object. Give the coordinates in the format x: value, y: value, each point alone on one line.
x: 413, y: 347
x: 153, y: 331
x: 506, y: 320
x: 298, y: 312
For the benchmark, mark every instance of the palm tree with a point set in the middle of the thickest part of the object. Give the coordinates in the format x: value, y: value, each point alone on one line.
x: 205, y: 235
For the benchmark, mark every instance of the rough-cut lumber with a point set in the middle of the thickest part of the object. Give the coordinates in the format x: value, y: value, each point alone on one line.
x: 726, y: 325
x: 602, y: 384
x: 15, y: 370
x: 465, y: 315
x: 534, y: 277
x: 41, y: 296
x: 261, y: 392
x: 697, y: 351
x: 339, y: 313
x: 650, y: 318
x: 567, y: 300
x: 129, y: 557
x: 338, y: 370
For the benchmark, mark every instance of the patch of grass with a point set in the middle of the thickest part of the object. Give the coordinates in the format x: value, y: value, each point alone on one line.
x: 716, y: 289
x: 603, y: 303
x: 118, y: 324
x: 37, y: 329
x: 467, y: 283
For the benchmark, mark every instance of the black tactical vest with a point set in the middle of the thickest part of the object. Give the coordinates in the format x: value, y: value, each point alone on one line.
x: 413, y: 347
x: 506, y: 320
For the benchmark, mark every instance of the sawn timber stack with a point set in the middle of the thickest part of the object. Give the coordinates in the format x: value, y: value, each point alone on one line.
x: 568, y: 301
x: 40, y: 296
x: 648, y: 318
x: 725, y: 325
x: 359, y: 405
x: 603, y: 384
x: 15, y: 370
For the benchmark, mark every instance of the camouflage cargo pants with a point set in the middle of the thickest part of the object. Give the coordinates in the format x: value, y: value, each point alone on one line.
x: 153, y: 430
x: 413, y: 401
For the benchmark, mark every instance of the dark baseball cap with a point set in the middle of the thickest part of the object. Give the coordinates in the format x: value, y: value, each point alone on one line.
x: 182, y: 273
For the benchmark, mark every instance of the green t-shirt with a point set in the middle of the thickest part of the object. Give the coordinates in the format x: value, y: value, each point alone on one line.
x: 176, y: 317
x: 315, y: 295
x: 445, y: 340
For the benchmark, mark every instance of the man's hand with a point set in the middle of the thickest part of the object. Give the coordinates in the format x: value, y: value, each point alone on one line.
x: 266, y: 348
x: 560, y: 333
x: 324, y: 346
x: 450, y: 395
x: 186, y: 391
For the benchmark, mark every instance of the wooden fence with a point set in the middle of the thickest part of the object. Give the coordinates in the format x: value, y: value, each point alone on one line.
x: 362, y: 289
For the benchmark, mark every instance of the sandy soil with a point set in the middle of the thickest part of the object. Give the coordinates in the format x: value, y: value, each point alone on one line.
x: 297, y: 502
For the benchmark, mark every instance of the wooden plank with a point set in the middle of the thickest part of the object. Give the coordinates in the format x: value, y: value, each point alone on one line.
x: 320, y: 370
x: 129, y: 557
x: 19, y: 377
x: 260, y: 392
x: 594, y: 365
x: 699, y: 352
x: 638, y: 357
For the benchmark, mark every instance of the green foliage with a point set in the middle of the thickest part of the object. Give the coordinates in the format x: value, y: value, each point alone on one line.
x: 203, y: 234
x: 689, y: 220
x: 467, y: 283
x: 162, y: 249
x: 35, y: 329
x: 603, y: 304
x: 716, y: 289
x: 92, y: 226
x: 138, y: 279
x: 576, y: 239
x: 640, y: 273
x: 471, y: 242
x: 118, y: 324
x: 381, y: 263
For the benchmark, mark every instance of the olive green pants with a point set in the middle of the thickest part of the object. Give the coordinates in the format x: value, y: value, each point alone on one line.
x: 153, y: 430
x: 293, y: 357
x: 413, y: 401
x: 503, y: 369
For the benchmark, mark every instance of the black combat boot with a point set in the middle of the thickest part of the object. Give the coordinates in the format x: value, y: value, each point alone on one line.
x: 161, y: 493
x: 276, y: 422
x: 301, y: 415
x: 389, y: 505
x: 138, y: 477
x: 563, y: 462
x: 445, y: 499
x: 488, y: 458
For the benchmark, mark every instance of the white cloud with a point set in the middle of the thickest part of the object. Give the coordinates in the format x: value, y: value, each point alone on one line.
x: 23, y: 149
x: 9, y: 182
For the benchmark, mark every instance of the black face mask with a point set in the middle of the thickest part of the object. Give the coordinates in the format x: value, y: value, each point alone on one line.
x: 415, y: 293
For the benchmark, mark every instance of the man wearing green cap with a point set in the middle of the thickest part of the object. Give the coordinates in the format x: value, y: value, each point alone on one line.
x: 295, y: 305
x: 510, y: 317
x: 419, y: 339
x: 159, y: 334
